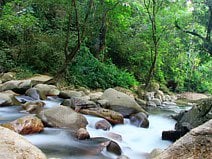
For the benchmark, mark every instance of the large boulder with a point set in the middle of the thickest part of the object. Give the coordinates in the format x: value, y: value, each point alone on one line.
x: 7, y: 98
x: 14, y: 146
x: 121, y: 102
x: 63, y: 117
x: 25, y: 125
x: 198, y: 115
x: 19, y: 86
x: 195, y: 144
x: 47, y: 90
x: 111, y: 116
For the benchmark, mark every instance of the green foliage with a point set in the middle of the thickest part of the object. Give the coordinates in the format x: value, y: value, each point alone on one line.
x: 32, y: 39
x: 6, y: 61
x: 88, y: 71
x: 44, y: 53
x: 23, y: 72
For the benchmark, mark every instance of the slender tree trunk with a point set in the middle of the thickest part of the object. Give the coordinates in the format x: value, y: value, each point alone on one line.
x: 80, y: 31
x: 155, y: 39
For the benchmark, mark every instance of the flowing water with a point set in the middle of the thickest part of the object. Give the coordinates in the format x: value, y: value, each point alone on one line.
x: 135, y: 142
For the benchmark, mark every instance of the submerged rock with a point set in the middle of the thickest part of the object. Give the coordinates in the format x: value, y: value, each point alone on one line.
x: 195, y: 144
x: 113, y: 147
x: 14, y: 146
x: 25, y: 125
x: 121, y: 102
x: 139, y: 120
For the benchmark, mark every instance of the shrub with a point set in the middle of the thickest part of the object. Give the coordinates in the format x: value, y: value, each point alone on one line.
x: 86, y: 70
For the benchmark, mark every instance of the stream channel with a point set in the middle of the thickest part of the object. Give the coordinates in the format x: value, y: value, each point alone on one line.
x: 135, y: 142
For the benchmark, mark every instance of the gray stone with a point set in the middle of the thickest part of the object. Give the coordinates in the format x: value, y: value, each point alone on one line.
x: 121, y: 102
x: 14, y: 146
x: 196, y: 116
x: 63, y: 117
x: 156, y: 101
x: 139, y: 120
x: 7, y: 98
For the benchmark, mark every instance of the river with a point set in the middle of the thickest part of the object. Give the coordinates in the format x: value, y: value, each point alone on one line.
x: 135, y: 142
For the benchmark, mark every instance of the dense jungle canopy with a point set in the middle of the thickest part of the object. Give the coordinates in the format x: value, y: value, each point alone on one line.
x: 107, y: 43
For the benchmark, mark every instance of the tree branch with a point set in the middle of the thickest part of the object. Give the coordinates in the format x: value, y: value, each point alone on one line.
x: 189, y: 32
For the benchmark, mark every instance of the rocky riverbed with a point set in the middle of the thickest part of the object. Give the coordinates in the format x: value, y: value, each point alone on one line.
x: 80, y: 123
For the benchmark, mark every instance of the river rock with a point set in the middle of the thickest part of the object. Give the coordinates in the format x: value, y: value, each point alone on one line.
x: 63, y: 117
x: 103, y: 124
x: 160, y: 95
x: 47, y: 90
x: 33, y: 107
x: 151, y: 104
x: 192, y: 96
x: 172, y: 135
x: 167, y: 98
x: 82, y: 134
x: 149, y: 96
x: 80, y: 103
x: 7, y: 76
x: 114, y: 148
x: 121, y: 102
x: 7, y: 98
x: 126, y: 91
x: 95, y: 95
x: 139, y: 120
x: 33, y: 93
x: 111, y: 116
x: 67, y: 94
x: 40, y: 79
x: 195, y: 144
x: 14, y: 146
x: 18, y: 86
x: 156, y: 101
x: 25, y: 125
x: 196, y: 116
x: 103, y: 103
x: 141, y: 102
x: 94, y: 146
